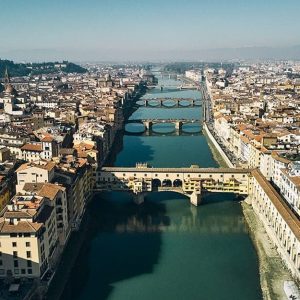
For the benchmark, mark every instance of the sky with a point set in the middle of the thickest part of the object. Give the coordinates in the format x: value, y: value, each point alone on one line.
x: 107, y: 30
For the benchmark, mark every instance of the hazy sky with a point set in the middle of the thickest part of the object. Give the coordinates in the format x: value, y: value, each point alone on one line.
x: 141, y: 29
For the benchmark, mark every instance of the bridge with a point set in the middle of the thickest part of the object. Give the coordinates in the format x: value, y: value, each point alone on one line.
x: 172, y: 102
x: 190, y: 182
x: 169, y: 75
x: 148, y: 123
x: 173, y: 133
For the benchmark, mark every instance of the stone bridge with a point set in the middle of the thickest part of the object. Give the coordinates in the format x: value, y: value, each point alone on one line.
x: 148, y: 123
x: 187, y: 181
x: 173, y: 102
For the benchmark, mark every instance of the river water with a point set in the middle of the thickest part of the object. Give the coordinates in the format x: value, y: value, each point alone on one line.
x: 165, y: 248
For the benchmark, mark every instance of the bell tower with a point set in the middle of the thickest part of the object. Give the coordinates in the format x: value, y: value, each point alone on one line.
x: 6, y: 77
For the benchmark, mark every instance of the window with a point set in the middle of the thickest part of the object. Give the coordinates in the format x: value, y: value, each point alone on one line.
x: 27, y: 244
x: 16, y: 264
x: 15, y: 253
x: 13, y: 235
x: 26, y: 234
x: 28, y: 254
x: 14, y: 244
x: 1, y: 262
x: 23, y: 271
x: 29, y: 271
x: 29, y: 263
x: 16, y: 271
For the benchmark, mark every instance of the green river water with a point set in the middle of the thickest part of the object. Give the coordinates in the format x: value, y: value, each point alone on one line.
x: 165, y: 248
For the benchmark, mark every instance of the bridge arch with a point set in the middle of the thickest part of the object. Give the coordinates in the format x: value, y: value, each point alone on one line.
x: 156, y: 182
x: 191, y: 127
x: 141, y: 102
x: 153, y: 103
x: 167, y: 183
x: 163, y: 126
x: 168, y: 103
x: 135, y: 127
x: 177, y: 183
x: 185, y: 103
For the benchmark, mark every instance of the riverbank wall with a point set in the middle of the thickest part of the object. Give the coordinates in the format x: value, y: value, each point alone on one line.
x: 272, y: 270
x: 217, y: 146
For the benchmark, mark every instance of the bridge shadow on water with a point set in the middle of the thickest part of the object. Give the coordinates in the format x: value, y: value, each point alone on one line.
x: 209, y: 198
x: 123, y: 241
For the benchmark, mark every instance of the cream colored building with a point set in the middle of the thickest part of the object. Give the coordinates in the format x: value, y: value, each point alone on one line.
x: 35, y: 172
x: 28, y: 237
x: 289, y: 186
x: 281, y: 224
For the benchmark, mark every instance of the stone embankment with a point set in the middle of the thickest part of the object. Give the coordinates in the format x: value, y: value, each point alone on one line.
x: 217, y: 146
x: 273, y: 273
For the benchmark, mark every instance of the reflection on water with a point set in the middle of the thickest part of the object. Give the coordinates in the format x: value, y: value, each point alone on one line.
x: 137, y: 252
x: 162, y: 128
x: 165, y: 248
x: 194, y: 221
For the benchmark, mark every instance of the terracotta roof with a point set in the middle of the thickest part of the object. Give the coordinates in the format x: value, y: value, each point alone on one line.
x: 19, y: 214
x: 279, y: 158
x: 294, y: 179
x: 48, y: 139
x: 32, y: 147
x: 46, y: 165
x: 48, y: 190
x: 21, y: 227
x: 289, y: 217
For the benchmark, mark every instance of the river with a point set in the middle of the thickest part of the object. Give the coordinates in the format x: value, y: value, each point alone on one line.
x: 165, y: 248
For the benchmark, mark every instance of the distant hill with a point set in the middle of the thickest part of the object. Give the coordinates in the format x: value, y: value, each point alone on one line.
x: 21, y: 69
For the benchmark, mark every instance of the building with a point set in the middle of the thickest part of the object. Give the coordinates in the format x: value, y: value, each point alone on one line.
x: 34, y: 172
x: 28, y: 237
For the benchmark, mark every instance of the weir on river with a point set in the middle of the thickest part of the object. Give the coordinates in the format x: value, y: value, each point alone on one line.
x: 165, y: 248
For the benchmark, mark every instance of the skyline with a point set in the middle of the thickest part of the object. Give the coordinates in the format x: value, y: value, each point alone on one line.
x: 141, y: 30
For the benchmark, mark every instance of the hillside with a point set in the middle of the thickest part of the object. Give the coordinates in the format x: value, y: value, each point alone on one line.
x: 21, y: 69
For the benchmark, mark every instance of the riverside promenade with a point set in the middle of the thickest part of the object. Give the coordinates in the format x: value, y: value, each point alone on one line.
x: 276, y: 279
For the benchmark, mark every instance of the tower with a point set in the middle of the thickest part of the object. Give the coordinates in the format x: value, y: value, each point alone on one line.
x: 9, y: 94
x: 6, y: 77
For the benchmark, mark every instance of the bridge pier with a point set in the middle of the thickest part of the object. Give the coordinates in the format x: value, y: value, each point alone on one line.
x: 195, y: 198
x: 139, y: 198
x: 178, y: 125
x: 148, y: 125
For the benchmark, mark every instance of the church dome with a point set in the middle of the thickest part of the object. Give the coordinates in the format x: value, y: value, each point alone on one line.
x: 9, y: 89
